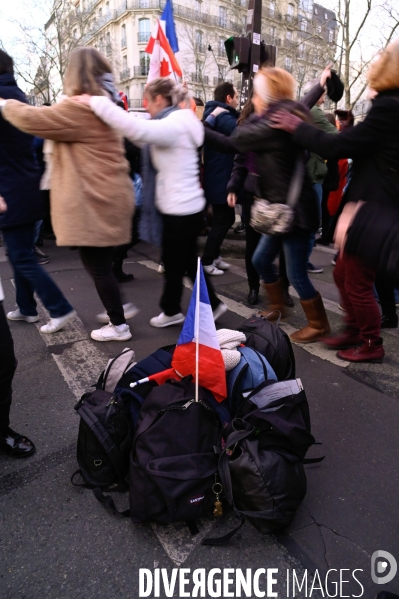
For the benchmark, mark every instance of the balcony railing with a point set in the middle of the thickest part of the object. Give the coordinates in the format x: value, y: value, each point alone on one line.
x: 136, y: 103
x: 125, y: 74
x: 217, y: 80
x: 141, y: 71
x: 198, y: 78
x: 123, y: 43
x: 143, y: 36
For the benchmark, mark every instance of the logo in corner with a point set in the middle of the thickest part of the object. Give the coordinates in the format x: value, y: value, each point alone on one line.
x: 383, y: 567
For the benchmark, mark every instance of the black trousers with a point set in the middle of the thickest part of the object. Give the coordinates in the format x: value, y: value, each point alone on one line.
x: 223, y: 219
x: 386, y: 295
x: 8, y: 365
x: 98, y: 263
x: 251, y: 241
x: 179, y: 257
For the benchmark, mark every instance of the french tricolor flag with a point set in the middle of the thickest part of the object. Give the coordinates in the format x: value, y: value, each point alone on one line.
x: 198, y: 351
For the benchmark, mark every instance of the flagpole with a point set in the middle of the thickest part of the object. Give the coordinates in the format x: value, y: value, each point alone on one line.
x: 197, y: 323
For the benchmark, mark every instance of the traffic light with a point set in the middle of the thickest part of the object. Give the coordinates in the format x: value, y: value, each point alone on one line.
x: 238, y: 53
x: 268, y: 54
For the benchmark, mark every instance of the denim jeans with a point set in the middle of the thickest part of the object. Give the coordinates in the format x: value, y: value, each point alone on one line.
x: 31, y: 278
x: 297, y: 249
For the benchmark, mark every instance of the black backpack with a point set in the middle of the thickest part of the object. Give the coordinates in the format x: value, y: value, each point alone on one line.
x: 104, y: 442
x: 174, y: 462
x: 273, y: 343
x: 261, y: 463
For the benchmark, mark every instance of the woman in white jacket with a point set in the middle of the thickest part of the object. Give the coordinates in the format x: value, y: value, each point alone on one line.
x: 174, y: 135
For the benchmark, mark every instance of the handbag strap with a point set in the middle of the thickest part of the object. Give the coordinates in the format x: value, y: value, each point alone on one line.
x: 296, y: 182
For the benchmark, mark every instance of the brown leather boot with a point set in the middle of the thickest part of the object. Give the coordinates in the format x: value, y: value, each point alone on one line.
x: 275, y: 295
x: 318, y: 325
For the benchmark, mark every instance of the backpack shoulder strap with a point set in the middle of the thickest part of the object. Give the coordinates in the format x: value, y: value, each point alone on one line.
x: 103, y: 437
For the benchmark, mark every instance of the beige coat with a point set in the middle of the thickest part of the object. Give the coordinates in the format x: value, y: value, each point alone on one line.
x: 92, y: 198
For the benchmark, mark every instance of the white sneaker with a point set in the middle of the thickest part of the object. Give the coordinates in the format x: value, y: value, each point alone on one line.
x: 161, y: 268
x: 16, y: 315
x: 56, y: 324
x: 111, y: 332
x: 219, y: 263
x: 212, y: 270
x: 219, y: 311
x: 129, y: 310
x: 162, y: 320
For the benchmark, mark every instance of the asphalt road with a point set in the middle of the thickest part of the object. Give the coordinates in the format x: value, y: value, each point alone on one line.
x: 57, y: 541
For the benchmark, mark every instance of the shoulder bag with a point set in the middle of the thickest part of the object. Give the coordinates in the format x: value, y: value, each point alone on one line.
x: 273, y: 218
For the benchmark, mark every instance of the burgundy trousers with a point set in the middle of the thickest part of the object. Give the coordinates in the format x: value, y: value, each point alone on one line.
x: 355, y: 284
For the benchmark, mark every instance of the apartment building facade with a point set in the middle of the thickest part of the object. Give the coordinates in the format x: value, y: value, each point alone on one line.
x: 304, y: 33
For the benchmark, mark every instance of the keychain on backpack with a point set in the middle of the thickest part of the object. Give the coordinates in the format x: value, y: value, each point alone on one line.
x: 218, y: 506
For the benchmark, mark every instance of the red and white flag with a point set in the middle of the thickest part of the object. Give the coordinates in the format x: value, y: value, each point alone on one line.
x: 163, y: 62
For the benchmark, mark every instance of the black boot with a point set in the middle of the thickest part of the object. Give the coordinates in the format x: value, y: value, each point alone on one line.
x: 288, y: 301
x: 120, y: 276
x: 389, y: 322
x: 253, y: 297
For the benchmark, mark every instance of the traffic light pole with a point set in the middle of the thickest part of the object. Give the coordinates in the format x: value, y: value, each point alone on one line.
x: 254, y: 25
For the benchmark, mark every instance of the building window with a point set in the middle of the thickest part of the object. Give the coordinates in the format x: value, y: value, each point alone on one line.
x: 222, y: 16
x: 316, y: 11
x: 144, y: 63
x: 127, y: 93
x: 303, y: 25
x: 272, y: 8
x: 144, y: 30
x: 318, y: 29
x: 288, y: 64
x: 326, y: 16
x: 144, y: 3
x: 199, y: 46
x: 197, y: 6
x: 107, y: 8
x: 330, y: 35
x: 108, y: 47
x: 273, y: 32
x: 289, y: 35
x: 123, y: 37
x: 100, y: 12
x: 301, y: 50
x: 124, y: 63
x: 290, y: 10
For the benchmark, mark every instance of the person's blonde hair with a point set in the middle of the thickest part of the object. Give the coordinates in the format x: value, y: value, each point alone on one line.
x: 174, y: 94
x: 384, y: 72
x: 85, y: 67
x: 273, y: 84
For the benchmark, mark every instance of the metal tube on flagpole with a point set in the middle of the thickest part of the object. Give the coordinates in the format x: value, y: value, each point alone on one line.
x: 197, y: 327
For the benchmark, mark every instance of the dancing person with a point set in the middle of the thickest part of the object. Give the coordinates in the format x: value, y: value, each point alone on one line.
x: 13, y: 444
x: 20, y: 188
x: 275, y: 160
x: 174, y: 135
x: 374, y: 147
x: 91, y: 192
x: 217, y: 171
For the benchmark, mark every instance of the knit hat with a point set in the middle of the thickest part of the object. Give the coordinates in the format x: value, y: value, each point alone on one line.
x: 228, y: 341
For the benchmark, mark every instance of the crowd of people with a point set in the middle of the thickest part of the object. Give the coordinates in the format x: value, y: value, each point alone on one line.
x: 85, y: 158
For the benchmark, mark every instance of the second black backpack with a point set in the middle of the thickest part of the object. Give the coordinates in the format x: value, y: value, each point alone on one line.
x: 174, y: 459
x: 273, y: 343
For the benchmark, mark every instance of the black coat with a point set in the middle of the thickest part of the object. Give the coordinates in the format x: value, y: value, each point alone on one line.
x: 373, y: 146
x: 19, y: 171
x: 218, y: 166
x: 275, y: 155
